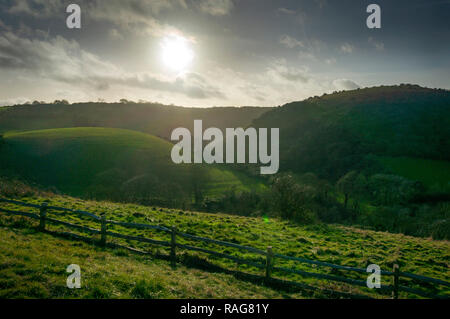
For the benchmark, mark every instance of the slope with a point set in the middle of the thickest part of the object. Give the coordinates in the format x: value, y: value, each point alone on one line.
x: 112, y: 164
x: 341, y: 245
x: 33, y: 265
x: 154, y: 119
x: 335, y: 133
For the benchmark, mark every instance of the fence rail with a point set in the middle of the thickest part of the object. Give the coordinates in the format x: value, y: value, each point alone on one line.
x: 173, y: 244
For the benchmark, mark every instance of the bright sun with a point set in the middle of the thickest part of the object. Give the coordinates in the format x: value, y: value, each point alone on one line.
x: 176, y: 53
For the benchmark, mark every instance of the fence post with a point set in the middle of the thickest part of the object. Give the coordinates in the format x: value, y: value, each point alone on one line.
x: 42, y: 215
x: 103, y: 230
x: 396, y: 271
x: 269, y: 262
x: 173, y: 246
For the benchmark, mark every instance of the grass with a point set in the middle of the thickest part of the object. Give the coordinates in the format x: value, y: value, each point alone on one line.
x: 33, y: 265
x: 433, y: 173
x: 106, y: 162
x: 331, y: 243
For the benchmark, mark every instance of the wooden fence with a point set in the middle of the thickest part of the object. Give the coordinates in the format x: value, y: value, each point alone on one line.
x: 270, y: 257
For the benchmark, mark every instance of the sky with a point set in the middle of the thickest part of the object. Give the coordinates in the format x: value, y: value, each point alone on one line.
x: 202, y: 53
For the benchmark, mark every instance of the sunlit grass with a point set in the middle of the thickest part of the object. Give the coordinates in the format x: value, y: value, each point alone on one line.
x: 331, y: 243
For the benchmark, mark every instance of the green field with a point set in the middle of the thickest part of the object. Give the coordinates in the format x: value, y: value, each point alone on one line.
x: 331, y: 243
x: 95, y: 156
x: 434, y: 174
x: 105, y: 273
x: 105, y: 162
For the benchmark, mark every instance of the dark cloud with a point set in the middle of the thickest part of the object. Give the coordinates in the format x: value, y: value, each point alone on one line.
x: 246, y: 51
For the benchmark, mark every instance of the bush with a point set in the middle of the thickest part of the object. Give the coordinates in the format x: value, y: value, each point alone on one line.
x: 291, y: 200
x: 440, y: 230
x: 15, y: 188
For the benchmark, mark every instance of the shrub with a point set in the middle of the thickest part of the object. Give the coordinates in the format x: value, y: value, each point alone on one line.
x: 15, y: 188
x: 291, y: 199
x: 440, y: 230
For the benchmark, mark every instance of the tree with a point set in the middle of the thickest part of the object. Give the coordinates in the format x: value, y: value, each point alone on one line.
x: 291, y: 199
x: 347, y: 185
x: 125, y: 101
x: 198, y: 178
x: 390, y: 189
x: 63, y: 102
x: 322, y: 186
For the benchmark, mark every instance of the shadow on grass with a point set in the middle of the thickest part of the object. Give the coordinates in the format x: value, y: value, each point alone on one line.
x: 199, y: 263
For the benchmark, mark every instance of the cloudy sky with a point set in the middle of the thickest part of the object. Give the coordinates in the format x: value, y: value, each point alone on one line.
x: 217, y: 52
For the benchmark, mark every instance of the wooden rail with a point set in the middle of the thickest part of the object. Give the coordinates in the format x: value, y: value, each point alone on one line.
x: 270, y: 257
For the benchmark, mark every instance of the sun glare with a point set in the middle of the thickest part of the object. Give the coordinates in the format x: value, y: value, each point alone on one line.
x: 176, y: 53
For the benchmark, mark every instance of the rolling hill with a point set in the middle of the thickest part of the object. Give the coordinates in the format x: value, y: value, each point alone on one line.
x: 110, y: 163
x: 118, y: 153
x: 393, y: 135
x: 154, y: 119
x: 328, y: 135
x: 333, y: 134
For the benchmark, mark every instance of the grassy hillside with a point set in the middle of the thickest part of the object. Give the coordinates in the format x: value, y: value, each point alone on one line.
x: 331, y: 243
x: 351, y: 157
x: 328, y: 135
x: 154, y: 119
x: 434, y: 174
x: 24, y: 273
x: 111, y: 163
x: 333, y: 134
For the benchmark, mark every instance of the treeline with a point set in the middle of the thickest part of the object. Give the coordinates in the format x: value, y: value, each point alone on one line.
x: 151, y: 118
x: 380, y: 202
x: 336, y: 133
